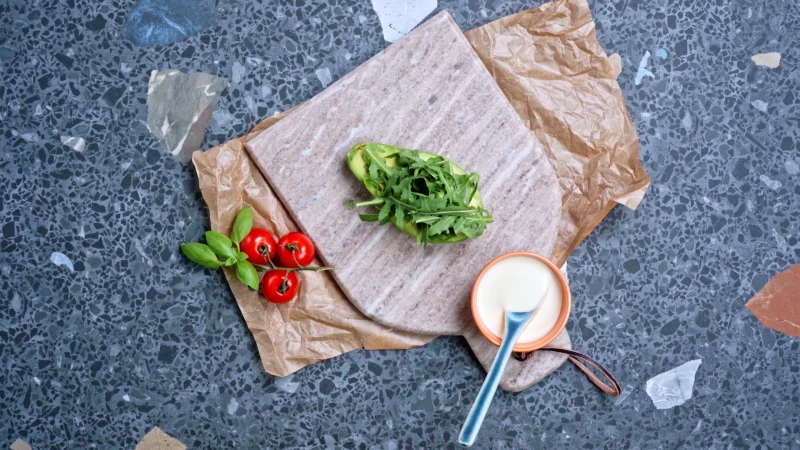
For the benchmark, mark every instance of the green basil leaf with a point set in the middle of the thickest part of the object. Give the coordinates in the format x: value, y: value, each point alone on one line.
x: 242, y: 256
x: 231, y: 261
x: 242, y: 224
x: 350, y: 204
x: 201, y: 254
x: 220, y: 244
x: 247, y: 274
x: 368, y: 217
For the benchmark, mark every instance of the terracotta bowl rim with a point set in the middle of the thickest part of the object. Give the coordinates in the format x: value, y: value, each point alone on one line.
x: 563, y: 316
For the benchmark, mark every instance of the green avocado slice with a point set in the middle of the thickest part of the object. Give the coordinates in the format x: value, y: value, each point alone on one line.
x: 386, y: 159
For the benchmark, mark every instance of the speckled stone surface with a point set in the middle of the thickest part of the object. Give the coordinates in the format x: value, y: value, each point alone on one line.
x: 136, y: 336
x: 428, y: 91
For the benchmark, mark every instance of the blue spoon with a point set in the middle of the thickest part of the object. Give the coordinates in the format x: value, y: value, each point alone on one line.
x: 515, y: 323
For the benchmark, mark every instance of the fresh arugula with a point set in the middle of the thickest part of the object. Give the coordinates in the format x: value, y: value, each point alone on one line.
x: 425, y: 195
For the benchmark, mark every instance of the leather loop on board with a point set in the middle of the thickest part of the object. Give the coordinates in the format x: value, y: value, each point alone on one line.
x: 580, y: 360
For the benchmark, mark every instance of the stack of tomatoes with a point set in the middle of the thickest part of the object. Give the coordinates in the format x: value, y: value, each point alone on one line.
x: 294, y: 251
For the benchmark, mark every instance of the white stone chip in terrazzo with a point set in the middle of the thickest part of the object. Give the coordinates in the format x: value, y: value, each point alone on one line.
x: 398, y: 17
x: 673, y: 387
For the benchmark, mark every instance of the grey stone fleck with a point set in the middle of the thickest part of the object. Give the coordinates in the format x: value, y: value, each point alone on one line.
x: 179, y: 108
x: 642, y: 70
x: 238, y: 73
x: 126, y: 397
x: 61, y: 259
x: 75, y: 143
x: 781, y: 241
x: 324, y: 76
x: 140, y: 248
x: 791, y: 167
x: 626, y: 392
x: 286, y: 384
x: 233, y: 406
x: 158, y: 22
x: 771, y: 59
x: 16, y: 302
x: 687, y: 122
x: 251, y: 104
x: 772, y: 184
x: 29, y: 137
x: 674, y: 387
x: 760, y: 105
x: 661, y: 53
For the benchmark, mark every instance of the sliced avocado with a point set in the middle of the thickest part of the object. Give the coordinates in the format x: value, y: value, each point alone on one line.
x: 358, y: 166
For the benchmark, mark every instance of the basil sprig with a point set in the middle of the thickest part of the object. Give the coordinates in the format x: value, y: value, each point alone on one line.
x: 220, y: 250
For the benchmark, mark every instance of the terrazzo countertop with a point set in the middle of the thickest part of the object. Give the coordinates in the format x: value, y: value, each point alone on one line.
x: 125, y: 334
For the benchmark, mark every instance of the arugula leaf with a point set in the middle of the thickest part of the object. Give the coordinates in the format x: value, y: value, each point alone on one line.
x: 373, y: 171
x: 399, y: 218
x: 428, y: 190
x: 441, y: 225
x: 242, y: 224
x: 387, y: 208
x: 378, y: 161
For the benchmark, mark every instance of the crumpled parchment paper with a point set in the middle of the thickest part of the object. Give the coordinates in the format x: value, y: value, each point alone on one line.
x: 320, y: 323
x: 548, y: 63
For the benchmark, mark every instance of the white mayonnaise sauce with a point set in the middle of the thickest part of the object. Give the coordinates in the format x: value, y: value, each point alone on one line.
x: 517, y: 284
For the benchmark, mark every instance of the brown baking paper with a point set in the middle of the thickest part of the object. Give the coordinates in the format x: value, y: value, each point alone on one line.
x: 158, y: 440
x: 549, y: 64
x: 320, y: 323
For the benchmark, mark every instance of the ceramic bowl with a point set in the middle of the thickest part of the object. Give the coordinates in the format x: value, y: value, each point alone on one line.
x: 561, y: 322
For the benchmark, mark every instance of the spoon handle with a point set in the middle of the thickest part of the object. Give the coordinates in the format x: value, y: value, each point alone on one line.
x: 515, y: 323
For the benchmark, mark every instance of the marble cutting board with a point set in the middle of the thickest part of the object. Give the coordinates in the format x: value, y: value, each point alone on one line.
x: 428, y: 91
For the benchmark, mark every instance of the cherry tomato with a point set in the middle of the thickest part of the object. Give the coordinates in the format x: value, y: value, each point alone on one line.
x: 300, y: 245
x: 279, y: 286
x: 259, y: 245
